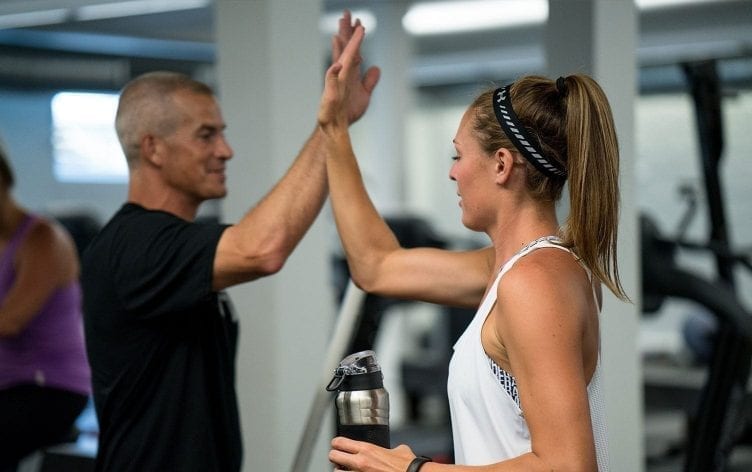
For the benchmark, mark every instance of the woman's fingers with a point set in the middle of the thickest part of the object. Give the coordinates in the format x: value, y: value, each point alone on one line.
x: 342, y: 443
x: 350, y: 55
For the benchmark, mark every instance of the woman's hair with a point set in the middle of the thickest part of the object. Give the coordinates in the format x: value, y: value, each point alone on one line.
x: 6, y: 173
x: 572, y: 124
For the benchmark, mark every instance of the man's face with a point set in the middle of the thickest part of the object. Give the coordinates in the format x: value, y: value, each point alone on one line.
x: 196, y: 153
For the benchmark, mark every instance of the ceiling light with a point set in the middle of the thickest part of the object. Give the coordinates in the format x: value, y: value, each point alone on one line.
x: 70, y: 11
x: 33, y: 18
x: 656, y: 4
x: 329, y: 22
x: 472, y: 15
x: 135, y: 7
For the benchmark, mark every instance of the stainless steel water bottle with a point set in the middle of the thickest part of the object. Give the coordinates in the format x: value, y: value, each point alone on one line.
x: 362, y: 402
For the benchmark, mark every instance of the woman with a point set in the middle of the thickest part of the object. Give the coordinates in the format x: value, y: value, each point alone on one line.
x: 44, y: 374
x: 524, y: 382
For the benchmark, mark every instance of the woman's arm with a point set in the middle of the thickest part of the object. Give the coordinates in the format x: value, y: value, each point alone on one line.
x: 45, y: 261
x: 377, y: 262
x: 542, y: 315
x: 261, y: 242
x: 359, y: 456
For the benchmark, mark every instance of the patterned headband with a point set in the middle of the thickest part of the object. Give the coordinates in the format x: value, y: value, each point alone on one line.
x: 502, y: 105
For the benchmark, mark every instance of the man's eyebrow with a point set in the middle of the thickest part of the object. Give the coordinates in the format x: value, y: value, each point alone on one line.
x: 209, y: 127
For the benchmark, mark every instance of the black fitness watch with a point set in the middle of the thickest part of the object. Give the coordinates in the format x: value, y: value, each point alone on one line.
x: 417, y: 463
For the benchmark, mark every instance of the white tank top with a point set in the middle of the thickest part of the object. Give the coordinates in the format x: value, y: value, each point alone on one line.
x: 487, y: 422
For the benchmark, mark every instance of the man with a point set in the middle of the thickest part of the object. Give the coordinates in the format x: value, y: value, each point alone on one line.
x: 160, y: 336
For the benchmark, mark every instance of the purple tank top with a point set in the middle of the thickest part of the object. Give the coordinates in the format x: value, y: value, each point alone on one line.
x: 50, y: 351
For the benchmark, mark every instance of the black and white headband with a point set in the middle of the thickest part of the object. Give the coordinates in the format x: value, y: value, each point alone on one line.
x: 502, y: 105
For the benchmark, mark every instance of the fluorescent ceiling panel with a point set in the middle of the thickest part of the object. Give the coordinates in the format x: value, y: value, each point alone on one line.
x: 472, y: 15
x: 329, y: 22
x: 135, y: 7
x: 33, y: 18
x: 443, y: 17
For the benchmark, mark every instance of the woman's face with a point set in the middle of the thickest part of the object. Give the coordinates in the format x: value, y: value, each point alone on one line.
x: 473, y: 170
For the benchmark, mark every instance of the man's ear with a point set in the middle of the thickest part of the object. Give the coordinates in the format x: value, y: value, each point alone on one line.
x: 150, y: 150
x: 503, y: 164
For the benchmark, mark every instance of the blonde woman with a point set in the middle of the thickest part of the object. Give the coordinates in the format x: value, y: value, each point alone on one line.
x: 524, y: 381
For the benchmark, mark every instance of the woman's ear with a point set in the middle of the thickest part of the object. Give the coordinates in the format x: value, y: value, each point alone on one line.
x: 504, y: 163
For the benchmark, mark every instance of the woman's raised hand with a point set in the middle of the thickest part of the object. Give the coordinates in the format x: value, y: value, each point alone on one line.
x: 347, y: 93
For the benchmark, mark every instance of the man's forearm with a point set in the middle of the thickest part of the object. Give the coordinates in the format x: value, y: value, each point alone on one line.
x: 285, y: 213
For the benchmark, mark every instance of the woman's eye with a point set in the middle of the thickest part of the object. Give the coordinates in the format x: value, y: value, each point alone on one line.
x: 455, y: 158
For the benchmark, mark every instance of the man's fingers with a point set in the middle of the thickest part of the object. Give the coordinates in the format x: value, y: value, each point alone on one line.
x: 336, y: 48
x: 345, y: 25
x: 371, y: 78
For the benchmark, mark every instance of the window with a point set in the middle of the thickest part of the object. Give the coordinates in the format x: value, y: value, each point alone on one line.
x: 85, y: 148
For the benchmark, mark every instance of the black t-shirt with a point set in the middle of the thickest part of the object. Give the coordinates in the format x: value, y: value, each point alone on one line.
x: 161, y: 345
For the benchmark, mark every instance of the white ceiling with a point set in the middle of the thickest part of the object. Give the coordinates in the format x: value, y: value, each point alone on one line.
x: 695, y: 30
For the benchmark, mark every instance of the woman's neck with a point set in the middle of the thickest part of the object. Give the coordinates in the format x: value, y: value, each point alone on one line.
x: 524, y: 225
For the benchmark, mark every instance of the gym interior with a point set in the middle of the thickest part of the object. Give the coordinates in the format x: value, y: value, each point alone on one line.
x: 679, y: 77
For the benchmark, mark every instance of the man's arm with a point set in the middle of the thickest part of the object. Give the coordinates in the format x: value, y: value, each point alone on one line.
x: 260, y: 243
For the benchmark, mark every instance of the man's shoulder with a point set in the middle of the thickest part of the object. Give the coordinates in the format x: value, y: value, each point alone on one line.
x: 131, y: 224
x: 134, y: 227
x: 133, y: 220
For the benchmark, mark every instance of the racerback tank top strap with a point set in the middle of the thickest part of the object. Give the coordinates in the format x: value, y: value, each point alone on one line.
x: 545, y: 241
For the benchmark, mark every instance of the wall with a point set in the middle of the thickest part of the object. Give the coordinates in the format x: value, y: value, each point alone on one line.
x: 25, y: 127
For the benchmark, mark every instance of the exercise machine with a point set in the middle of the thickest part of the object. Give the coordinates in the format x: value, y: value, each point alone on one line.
x: 719, y: 412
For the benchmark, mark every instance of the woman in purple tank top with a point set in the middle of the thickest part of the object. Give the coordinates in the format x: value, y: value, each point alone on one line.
x: 44, y: 374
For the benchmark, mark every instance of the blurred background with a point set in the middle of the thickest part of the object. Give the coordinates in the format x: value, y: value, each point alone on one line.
x: 684, y: 126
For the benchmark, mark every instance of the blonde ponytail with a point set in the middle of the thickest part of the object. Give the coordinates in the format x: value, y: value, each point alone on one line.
x: 593, y: 167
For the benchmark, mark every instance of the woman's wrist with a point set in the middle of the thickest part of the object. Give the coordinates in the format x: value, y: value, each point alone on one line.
x: 417, y: 463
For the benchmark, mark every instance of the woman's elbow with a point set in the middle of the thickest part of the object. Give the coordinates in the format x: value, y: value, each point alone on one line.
x: 371, y: 282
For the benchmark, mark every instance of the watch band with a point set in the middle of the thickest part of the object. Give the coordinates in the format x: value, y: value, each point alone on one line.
x: 417, y: 463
